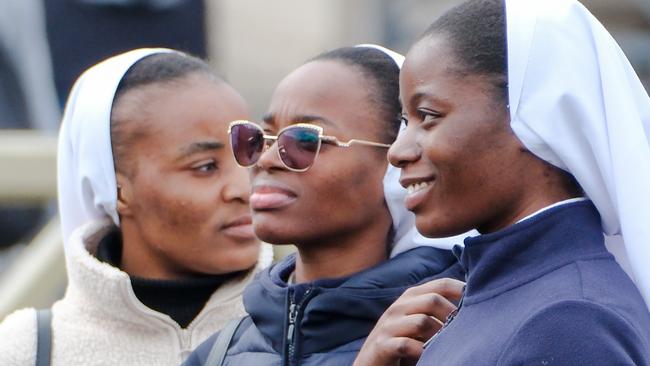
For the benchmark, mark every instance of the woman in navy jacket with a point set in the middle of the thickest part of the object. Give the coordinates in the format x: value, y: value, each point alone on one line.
x: 317, y: 307
x: 504, y: 136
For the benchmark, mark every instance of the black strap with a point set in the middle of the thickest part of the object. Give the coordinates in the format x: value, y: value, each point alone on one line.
x: 44, y: 337
x: 220, y: 347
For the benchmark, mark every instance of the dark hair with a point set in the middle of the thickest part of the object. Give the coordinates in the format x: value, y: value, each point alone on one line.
x: 384, y: 72
x: 152, y: 69
x: 476, y: 30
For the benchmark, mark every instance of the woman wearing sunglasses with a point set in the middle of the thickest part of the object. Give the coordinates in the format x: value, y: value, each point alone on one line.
x: 156, y: 223
x: 319, y: 175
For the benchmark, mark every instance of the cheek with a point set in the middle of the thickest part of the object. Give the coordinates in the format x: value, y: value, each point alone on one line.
x: 352, y: 193
x: 464, y: 152
x: 173, y: 206
x: 358, y: 176
x: 473, y: 167
x: 447, y: 151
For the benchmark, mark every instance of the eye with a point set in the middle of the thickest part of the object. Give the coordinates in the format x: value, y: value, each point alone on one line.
x: 429, y: 117
x: 404, y: 120
x: 205, y: 167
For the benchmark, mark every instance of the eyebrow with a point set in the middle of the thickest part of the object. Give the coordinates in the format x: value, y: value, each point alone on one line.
x: 200, y: 146
x: 417, y: 98
x: 303, y: 118
x: 269, y: 119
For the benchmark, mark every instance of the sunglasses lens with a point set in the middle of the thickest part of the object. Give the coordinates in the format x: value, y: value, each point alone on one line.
x: 247, y: 143
x: 298, y: 147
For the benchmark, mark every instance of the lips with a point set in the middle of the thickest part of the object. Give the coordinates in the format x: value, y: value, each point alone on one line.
x: 271, y: 197
x: 240, y: 228
x: 417, y: 190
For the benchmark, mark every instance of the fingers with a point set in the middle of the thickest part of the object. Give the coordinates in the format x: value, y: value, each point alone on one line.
x: 405, y: 347
x: 417, y: 326
x: 389, y: 352
x: 413, y: 319
x: 420, y: 327
x: 434, y: 305
x: 447, y: 287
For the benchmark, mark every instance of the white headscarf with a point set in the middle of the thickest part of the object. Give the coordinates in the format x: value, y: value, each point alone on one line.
x: 406, y: 234
x: 576, y: 102
x: 87, y: 189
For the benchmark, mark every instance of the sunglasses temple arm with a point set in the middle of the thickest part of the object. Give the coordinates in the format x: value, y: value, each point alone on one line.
x: 335, y: 141
x: 363, y: 142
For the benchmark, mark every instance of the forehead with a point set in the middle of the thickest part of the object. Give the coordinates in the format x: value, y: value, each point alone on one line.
x: 332, y: 90
x: 430, y: 60
x: 432, y: 69
x: 175, y: 114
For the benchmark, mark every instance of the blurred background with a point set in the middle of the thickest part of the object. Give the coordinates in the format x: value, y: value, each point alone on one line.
x: 46, y: 44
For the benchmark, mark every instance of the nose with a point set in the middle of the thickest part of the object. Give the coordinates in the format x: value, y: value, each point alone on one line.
x: 405, y: 150
x: 237, y: 186
x: 270, y: 159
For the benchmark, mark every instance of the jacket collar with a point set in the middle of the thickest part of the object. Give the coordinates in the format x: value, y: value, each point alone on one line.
x: 503, y: 260
x: 337, y: 311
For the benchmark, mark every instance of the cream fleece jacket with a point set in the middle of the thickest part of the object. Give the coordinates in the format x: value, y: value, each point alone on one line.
x: 101, y: 322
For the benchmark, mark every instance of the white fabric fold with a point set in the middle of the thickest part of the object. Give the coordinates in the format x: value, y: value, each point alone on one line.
x: 576, y: 102
x: 87, y: 189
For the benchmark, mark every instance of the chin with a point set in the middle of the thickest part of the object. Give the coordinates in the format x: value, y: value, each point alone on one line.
x: 438, y: 226
x: 271, y: 233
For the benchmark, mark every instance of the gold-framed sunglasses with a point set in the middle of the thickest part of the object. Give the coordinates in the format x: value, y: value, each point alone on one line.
x: 298, y: 145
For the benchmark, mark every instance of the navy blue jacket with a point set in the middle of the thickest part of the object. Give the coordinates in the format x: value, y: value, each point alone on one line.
x: 545, y: 291
x: 324, y: 322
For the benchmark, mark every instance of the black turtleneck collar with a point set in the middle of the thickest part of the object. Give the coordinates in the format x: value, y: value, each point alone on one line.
x: 500, y: 261
x: 182, y: 300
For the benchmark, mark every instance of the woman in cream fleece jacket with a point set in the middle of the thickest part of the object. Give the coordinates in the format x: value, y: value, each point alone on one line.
x: 100, y: 321
x: 156, y: 225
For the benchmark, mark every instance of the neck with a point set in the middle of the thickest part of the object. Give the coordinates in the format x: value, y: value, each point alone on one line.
x: 343, y: 256
x: 542, y: 186
x: 526, y: 208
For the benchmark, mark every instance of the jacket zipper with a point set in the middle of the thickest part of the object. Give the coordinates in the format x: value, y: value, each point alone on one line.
x: 292, y: 326
x: 291, y: 329
x: 450, y: 318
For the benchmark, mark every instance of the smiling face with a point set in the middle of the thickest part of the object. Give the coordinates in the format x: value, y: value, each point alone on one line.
x: 342, y: 193
x: 184, y: 204
x: 460, y: 161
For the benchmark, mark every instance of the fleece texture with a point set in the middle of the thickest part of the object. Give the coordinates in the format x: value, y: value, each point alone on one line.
x: 101, y: 322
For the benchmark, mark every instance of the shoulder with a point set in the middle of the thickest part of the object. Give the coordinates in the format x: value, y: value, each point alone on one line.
x: 576, y: 332
x: 200, y: 355
x: 18, y: 338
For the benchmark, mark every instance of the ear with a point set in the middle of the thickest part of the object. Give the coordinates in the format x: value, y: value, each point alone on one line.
x: 124, y: 194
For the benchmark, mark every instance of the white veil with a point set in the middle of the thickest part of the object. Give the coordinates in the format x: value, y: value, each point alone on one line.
x: 85, y: 171
x: 576, y: 102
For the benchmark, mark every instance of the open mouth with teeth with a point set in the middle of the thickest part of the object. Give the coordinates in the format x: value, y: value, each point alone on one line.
x: 416, y: 187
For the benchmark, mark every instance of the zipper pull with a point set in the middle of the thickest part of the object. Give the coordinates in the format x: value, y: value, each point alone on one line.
x: 293, y: 312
